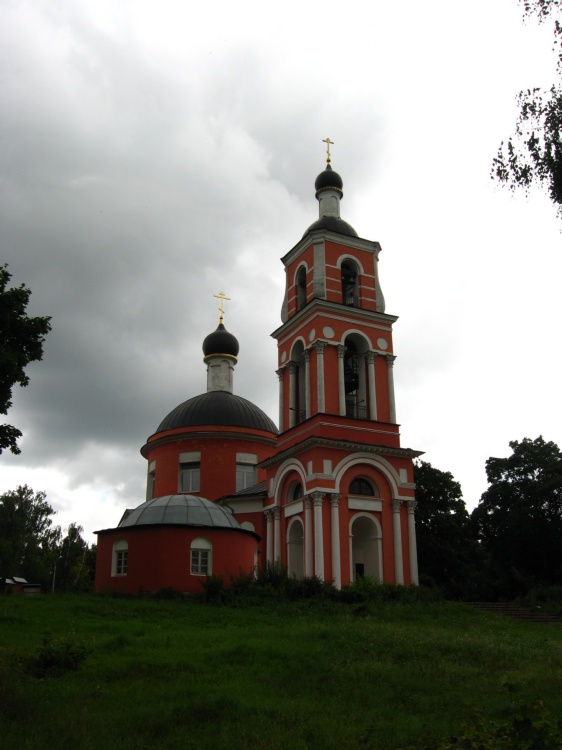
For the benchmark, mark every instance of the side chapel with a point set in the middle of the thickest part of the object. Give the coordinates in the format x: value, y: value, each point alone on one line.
x: 331, y: 492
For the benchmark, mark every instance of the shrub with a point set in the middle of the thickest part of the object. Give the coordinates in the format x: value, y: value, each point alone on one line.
x: 55, y: 656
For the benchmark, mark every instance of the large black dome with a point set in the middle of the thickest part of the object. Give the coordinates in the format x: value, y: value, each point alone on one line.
x: 217, y: 408
x: 221, y: 342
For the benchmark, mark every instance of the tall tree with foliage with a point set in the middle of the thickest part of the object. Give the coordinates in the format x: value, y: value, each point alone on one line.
x: 28, y: 539
x: 519, y: 518
x: 534, y: 153
x: 447, y: 551
x: 21, y: 342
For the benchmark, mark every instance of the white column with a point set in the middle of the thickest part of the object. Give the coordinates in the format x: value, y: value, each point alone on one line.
x: 318, y: 535
x: 307, y: 382
x: 276, y: 534
x: 308, y: 570
x: 269, y: 542
x: 341, y: 379
x: 390, y: 362
x: 292, y: 392
x: 412, y: 546
x: 280, y: 374
x: 398, y: 563
x: 320, y: 346
x: 336, y: 557
x: 370, y: 357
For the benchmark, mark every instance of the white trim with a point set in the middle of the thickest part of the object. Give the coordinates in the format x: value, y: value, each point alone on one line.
x: 353, y: 259
x: 368, y: 459
x: 378, y: 541
x: 293, y: 509
x: 290, y: 464
x: 190, y: 457
x: 356, y: 503
x: 246, y: 458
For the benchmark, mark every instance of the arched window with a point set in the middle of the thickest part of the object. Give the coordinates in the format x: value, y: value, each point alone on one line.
x: 295, y: 492
x: 360, y: 486
x: 355, y: 377
x: 350, y: 283
x: 201, y: 557
x: 298, y: 396
x: 301, y: 288
x: 120, y: 558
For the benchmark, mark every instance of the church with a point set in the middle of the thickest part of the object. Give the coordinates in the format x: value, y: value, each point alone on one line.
x: 330, y: 492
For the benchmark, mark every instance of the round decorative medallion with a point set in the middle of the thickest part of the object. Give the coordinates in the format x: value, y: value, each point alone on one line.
x: 382, y: 343
x: 283, y: 356
x: 312, y: 335
x: 328, y: 332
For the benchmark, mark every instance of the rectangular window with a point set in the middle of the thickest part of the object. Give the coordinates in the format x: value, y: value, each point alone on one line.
x: 199, y: 562
x: 245, y: 476
x: 190, y: 477
x: 121, y: 559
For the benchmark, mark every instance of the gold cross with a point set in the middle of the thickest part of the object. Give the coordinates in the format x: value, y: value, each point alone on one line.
x: 328, y: 143
x: 222, y: 296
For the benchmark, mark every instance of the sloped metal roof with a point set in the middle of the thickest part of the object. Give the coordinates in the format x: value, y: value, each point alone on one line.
x: 181, y: 510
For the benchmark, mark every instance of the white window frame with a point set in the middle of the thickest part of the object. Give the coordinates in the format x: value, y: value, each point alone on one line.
x: 120, y: 559
x: 201, y: 557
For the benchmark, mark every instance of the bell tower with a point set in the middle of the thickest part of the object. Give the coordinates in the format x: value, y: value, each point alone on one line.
x: 338, y: 449
x: 335, y: 344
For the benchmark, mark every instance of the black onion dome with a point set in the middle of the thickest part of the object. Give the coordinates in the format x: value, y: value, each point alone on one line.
x: 217, y: 408
x: 328, y: 180
x: 333, y: 224
x: 221, y: 342
x: 180, y: 510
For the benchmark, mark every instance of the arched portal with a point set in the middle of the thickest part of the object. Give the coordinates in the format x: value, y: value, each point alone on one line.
x: 295, y: 549
x: 366, y: 547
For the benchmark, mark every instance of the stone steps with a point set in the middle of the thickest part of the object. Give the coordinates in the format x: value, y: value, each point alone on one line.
x: 517, y: 612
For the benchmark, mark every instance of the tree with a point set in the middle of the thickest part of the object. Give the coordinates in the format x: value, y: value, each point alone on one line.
x: 519, y: 517
x: 28, y: 541
x: 448, y: 554
x: 534, y: 153
x: 72, y: 566
x: 21, y: 342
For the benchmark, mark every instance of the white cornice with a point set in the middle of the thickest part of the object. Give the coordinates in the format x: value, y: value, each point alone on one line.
x: 315, y: 442
x: 357, y: 243
x: 335, y: 310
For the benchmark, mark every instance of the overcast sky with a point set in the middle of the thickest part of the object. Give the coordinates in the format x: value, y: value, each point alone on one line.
x: 156, y: 153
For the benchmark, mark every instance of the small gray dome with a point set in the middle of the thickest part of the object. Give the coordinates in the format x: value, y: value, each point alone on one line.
x: 181, y: 510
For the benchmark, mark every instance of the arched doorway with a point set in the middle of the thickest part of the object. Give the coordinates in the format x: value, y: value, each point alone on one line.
x: 295, y: 549
x: 366, y: 547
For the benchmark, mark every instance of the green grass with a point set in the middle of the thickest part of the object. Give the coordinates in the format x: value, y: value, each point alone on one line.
x: 93, y: 671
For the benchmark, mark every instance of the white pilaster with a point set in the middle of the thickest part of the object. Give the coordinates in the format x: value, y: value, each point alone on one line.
x: 280, y: 374
x: 269, y: 537
x: 318, y: 535
x: 398, y: 562
x: 307, y: 382
x: 335, y: 523
x: 276, y: 534
x: 341, y: 379
x: 292, y: 366
x: 390, y: 362
x: 320, y: 346
x: 412, y: 545
x: 370, y: 357
x: 308, y: 570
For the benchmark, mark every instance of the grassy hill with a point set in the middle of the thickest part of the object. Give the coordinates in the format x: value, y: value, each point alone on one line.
x: 92, y: 671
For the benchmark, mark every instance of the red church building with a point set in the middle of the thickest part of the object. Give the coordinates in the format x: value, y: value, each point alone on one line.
x: 330, y: 493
